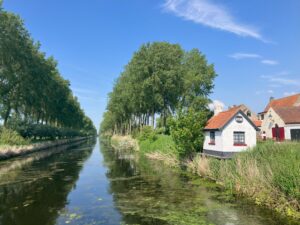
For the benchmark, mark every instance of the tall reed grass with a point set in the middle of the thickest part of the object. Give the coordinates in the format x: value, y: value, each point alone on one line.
x: 269, y: 173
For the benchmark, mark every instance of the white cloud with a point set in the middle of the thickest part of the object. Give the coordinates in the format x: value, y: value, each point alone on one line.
x: 264, y: 92
x: 289, y: 93
x: 269, y: 62
x: 243, y: 55
x: 285, y: 81
x: 281, y: 79
x: 212, y: 15
x: 240, y: 55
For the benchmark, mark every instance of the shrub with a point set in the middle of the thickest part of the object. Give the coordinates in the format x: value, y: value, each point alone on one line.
x: 187, y: 131
x: 147, y: 133
x: 10, y: 137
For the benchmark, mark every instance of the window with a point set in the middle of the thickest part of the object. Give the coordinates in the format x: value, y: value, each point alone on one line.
x: 212, y: 138
x: 248, y: 113
x: 239, y: 138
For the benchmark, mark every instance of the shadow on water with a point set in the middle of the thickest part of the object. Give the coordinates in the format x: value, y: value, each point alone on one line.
x: 34, y: 188
x: 146, y: 192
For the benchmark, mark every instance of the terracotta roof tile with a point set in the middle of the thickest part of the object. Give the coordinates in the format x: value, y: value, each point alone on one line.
x: 218, y: 121
x: 293, y: 100
x: 257, y: 122
x: 289, y: 115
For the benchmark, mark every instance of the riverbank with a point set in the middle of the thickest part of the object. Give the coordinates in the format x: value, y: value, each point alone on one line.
x: 162, y: 148
x: 268, y: 174
x: 9, y: 151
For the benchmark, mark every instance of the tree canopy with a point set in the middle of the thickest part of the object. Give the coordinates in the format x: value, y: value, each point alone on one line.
x: 31, y: 87
x: 161, y: 80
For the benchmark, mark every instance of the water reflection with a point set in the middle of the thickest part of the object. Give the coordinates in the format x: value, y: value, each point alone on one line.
x: 149, y: 193
x: 34, y: 189
x: 85, y: 186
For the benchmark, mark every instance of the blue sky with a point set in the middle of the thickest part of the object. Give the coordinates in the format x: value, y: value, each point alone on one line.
x: 253, y: 44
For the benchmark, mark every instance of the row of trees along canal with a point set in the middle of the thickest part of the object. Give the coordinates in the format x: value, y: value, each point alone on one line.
x: 164, y: 81
x: 34, y: 98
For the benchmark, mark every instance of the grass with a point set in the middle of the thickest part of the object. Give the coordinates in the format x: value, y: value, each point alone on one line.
x: 11, y: 138
x: 162, y: 143
x: 161, y: 148
x: 124, y: 143
x: 269, y: 174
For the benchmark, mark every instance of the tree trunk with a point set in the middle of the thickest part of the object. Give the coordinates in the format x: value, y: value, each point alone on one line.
x: 6, y: 115
x: 153, y: 119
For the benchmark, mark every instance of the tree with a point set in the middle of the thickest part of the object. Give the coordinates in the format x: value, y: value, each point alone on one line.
x: 31, y: 87
x: 162, y: 79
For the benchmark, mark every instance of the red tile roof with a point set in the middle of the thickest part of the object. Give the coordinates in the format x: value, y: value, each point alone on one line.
x: 257, y: 122
x: 293, y: 100
x: 219, y: 120
x: 289, y: 115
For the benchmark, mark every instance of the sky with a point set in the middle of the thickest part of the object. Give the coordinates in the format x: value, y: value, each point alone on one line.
x: 254, y: 45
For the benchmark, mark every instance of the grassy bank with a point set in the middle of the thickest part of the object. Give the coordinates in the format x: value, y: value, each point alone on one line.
x: 269, y: 174
x: 159, y: 147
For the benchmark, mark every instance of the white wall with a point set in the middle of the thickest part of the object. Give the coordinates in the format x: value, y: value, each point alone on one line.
x: 227, y: 135
x: 218, y: 141
x: 287, y: 130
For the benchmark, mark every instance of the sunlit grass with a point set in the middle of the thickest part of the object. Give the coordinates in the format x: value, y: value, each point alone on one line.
x: 269, y: 173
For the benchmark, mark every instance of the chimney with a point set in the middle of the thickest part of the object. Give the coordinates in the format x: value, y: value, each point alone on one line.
x: 271, y: 98
x: 218, y: 108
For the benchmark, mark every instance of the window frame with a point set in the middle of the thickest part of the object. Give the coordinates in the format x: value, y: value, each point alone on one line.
x: 212, y: 138
x: 239, y: 138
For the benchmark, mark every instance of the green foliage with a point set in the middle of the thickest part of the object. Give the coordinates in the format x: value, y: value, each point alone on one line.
x: 187, y: 131
x: 163, y: 144
x: 147, y: 133
x: 31, y: 87
x: 10, y: 137
x: 160, y: 79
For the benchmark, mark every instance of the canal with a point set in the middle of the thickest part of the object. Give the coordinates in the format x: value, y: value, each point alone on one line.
x: 91, y: 184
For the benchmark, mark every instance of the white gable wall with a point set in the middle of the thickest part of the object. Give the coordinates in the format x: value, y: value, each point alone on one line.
x: 227, y: 135
x: 269, y: 122
x: 218, y: 141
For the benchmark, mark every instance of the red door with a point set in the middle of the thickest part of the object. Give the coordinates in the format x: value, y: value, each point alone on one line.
x: 278, y: 133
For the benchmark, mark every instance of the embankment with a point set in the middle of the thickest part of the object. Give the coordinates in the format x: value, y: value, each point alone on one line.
x: 162, y: 148
x: 7, y: 152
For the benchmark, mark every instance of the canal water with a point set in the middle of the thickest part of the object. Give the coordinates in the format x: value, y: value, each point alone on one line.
x: 91, y: 184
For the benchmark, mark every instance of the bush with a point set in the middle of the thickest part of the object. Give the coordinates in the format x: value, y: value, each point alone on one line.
x: 43, y: 131
x: 10, y: 137
x: 187, y: 131
x: 147, y: 133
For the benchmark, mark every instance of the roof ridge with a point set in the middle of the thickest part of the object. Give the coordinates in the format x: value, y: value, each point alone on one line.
x: 285, y: 97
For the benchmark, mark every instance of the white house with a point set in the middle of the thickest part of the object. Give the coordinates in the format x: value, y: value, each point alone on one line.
x: 229, y: 132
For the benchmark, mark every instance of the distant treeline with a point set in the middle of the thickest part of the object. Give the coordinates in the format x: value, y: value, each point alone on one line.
x: 164, y: 81
x: 32, y: 91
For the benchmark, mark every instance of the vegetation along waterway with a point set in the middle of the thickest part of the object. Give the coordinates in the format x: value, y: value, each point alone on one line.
x: 92, y: 184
